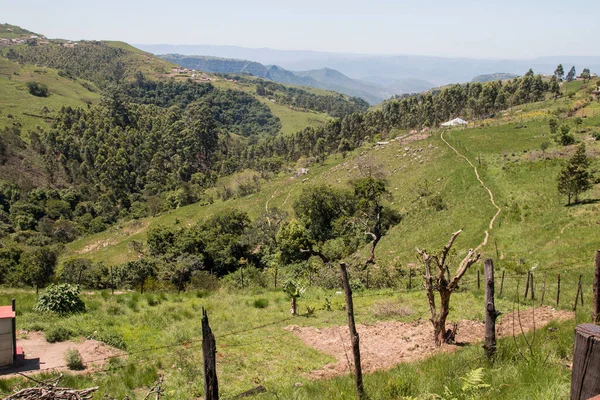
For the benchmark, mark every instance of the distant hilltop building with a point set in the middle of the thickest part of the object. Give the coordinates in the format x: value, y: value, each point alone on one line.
x: 455, y: 122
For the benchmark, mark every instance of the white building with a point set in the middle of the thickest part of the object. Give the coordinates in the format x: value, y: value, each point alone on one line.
x: 455, y: 122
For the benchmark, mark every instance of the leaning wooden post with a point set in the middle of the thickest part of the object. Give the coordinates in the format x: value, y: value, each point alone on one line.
x: 543, y: 290
x: 490, y: 310
x: 558, y: 290
x: 581, y: 290
x: 531, y: 287
x: 409, y: 278
x: 360, y: 390
x: 209, y: 350
x: 597, y: 289
x: 478, y: 281
x: 502, y: 282
x: 577, y: 294
x: 527, y: 285
x: 585, y: 378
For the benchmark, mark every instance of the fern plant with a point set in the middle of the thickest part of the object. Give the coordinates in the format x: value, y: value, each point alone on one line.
x: 473, y: 383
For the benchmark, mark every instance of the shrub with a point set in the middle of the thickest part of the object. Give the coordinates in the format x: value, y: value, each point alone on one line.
x: 261, y: 303
x: 62, y: 299
x: 356, y: 285
x: 58, y: 334
x: 74, y: 360
x: 37, y: 89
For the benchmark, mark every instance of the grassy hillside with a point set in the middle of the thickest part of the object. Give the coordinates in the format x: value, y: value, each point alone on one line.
x: 291, y: 120
x: 18, y: 107
x: 535, y: 228
x: 8, y: 31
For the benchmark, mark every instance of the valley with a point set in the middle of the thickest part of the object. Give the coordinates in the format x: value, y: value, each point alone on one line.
x: 141, y: 193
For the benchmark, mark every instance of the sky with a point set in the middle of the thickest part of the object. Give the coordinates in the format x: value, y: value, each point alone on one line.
x: 508, y: 29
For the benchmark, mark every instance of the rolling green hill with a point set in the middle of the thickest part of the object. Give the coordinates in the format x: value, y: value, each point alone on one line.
x: 507, y: 152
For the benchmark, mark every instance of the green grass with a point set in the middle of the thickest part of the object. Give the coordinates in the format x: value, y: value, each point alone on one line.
x: 276, y: 358
x: 17, y: 106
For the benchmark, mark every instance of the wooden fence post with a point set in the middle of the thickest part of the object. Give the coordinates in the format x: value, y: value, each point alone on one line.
x: 112, y: 282
x: 490, y: 310
x: 558, y: 290
x: 543, y: 290
x: 531, y: 287
x: 585, y: 378
x: 360, y: 390
x: 409, y: 278
x: 502, y: 282
x: 478, y: 281
x: 577, y: 294
x: 581, y: 290
x: 597, y: 289
x: 527, y: 285
x: 209, y: 350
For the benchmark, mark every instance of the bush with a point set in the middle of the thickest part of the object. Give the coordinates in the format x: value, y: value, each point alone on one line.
x: 74, y: 360
x: 58, y: 334
x: 38, y: 89
x: 62, y: 299
x: 261, y: 303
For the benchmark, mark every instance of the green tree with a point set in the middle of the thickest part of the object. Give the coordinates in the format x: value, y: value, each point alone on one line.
x: 572, y: 74
x: 564, y: 136
x: 559, y: 72
x: 554, y: 86
x: 136, y: 273
x: 344, y: 147
x: 319, y: 207
x: 575, y: 177
x: 293, y: 290
x: 37, y: 89
x: 370, y: 194
x: 586, y: 75
x: 36, y: 266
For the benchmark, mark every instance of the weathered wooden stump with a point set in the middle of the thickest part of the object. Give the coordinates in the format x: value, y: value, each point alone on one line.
x: 585, y: 378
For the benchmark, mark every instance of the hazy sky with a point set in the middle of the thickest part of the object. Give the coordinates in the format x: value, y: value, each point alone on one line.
x: 467, y: 28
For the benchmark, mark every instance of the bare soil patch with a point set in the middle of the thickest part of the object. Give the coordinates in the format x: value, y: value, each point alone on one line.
x: 41, y: 355
x: 386, y: 344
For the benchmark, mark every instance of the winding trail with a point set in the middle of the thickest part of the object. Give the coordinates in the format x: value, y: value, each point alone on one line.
x: 499, y: 210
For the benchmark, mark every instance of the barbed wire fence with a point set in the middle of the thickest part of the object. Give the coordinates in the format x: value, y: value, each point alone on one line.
x: 555, y: 293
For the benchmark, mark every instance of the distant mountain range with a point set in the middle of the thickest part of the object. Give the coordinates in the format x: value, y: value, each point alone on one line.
x: 372, y: 90
x: 389, y: 71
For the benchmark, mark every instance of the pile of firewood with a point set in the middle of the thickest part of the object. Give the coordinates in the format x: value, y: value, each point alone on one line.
x: 49, y: 390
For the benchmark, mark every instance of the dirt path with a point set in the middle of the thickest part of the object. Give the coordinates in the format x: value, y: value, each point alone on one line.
x: 499, y: 210
x: 41, y: 355
x: 385, y: 344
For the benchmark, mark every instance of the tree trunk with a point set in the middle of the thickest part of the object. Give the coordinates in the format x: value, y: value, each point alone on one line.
x: 441, y: 335
x: 294, y: 306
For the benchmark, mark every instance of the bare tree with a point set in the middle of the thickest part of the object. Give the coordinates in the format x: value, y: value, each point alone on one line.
x: 443, y: 284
